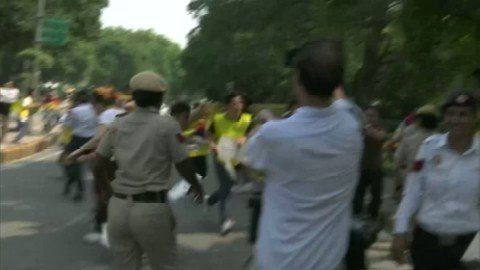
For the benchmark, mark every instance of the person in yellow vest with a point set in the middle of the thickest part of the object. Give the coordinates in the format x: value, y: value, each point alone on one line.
x: 233, y: 125
x: 24, y: 117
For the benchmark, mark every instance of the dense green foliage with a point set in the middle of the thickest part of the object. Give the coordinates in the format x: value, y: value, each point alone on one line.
x: 92, y: 56
x: 401, y: 52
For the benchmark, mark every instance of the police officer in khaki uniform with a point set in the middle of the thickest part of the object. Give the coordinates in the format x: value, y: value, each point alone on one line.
x: 145, y: 145
x: 426, y: 122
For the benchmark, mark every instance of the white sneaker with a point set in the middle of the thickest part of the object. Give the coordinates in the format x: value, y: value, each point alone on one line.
x: 104, y: 236
x: 206, y: 206
x: 92, y: 238
x: 227, y: 226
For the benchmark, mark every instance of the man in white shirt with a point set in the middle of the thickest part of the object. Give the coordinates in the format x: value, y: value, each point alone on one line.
x: 8, y: 95
x: 443, y: 192
x: 82, y: 120
x: 311, y: 163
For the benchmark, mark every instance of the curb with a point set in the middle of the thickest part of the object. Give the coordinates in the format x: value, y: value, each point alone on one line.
x: 25, y: 150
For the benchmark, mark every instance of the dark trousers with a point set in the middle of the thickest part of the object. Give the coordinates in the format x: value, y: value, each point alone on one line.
x: 103, y: 192
x: 200, y: 165
x: 221, y: 195
x: 374, y: 181
x: 355, y: 257
x: 255, y: 205
x: 74, y: 171
x: 428, y: 253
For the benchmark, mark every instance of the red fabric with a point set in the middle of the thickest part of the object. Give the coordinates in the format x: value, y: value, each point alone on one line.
x: 409, y: 120
x: 418, y: 165
x: 180, y: 138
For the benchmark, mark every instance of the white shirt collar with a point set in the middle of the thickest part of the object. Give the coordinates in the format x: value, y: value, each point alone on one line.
x: 443, y: 142
x: 308, y: 112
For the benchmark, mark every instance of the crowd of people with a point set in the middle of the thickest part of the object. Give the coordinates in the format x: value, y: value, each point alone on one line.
x: 308, y: 171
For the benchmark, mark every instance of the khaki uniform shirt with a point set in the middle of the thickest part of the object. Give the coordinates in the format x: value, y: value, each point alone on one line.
x: 408, y: 148
x: 145, y: 146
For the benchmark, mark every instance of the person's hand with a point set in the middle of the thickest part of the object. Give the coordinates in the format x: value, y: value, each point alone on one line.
x: 241, y: 141
x: 197, y: 192
x: 87, y: 157
x: 72, y: 157
x: 399, y: 248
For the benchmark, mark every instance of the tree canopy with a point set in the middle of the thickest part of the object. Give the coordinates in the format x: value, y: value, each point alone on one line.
x: 93, y: 56
x: 401, y: 52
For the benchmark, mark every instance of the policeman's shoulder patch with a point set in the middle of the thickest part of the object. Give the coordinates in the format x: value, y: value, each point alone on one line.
x: 418, y: 165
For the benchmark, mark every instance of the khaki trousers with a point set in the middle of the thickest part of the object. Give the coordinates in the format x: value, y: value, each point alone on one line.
x: 136, y: 228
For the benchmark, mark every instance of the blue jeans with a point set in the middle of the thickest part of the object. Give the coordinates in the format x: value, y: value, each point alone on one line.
x: 221, y: 195
x: 22, y: 130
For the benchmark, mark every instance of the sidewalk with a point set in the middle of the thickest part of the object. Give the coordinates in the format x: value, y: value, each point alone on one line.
x: 28, y: 146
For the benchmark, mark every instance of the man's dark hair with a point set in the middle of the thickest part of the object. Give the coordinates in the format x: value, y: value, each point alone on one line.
x: 179, y: 108
x: 231, y: 96
x: 427, y: 121
x: 145, y: 98
x: 81, y: 97
x: 320, y: 67
x: 97, y: 98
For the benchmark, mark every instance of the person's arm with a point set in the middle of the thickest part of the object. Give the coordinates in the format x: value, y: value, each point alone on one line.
x: 377, y: 134
x: 90, y: 145
x: 70, y: 120
x: 409, y: 205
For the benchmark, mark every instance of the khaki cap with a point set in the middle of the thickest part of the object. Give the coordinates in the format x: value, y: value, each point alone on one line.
x: 148, y: 81
x: 428, y: 109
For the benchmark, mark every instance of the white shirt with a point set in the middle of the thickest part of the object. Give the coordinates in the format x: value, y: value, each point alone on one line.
x: 443, y: 189
x: 9, y: 95
x: 108, y: 116
x: 82, y: 120
x: 311, y: 161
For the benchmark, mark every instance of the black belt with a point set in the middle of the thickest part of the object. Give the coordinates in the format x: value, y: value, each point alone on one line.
x: 146, y: 197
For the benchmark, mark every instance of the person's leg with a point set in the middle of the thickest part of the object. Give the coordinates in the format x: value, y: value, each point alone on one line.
x: 453, y: 254
x: 153, y: 225
x: 127, y: 252
x: 360, y: 194
x: 425, y: 251
x: 221, y: 195
x: 4, y: 119
x: 355, y: 257
x: 22, y: 131
x: 223, y: 181
x: 376, y: 190
x: 200, y: 165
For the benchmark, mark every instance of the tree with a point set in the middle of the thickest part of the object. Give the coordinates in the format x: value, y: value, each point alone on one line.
x: 401, y: 52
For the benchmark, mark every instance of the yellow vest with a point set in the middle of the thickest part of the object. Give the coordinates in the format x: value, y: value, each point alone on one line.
x: 205, y: 149
x: 224, y: 126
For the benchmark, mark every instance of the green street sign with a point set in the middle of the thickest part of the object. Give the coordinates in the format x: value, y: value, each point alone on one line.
x: 55, y: 31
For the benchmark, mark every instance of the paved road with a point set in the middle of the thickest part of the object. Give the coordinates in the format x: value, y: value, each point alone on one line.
x: 41, y: 230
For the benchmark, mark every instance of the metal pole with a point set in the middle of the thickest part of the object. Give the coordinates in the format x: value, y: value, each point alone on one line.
x: 36, y: 72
